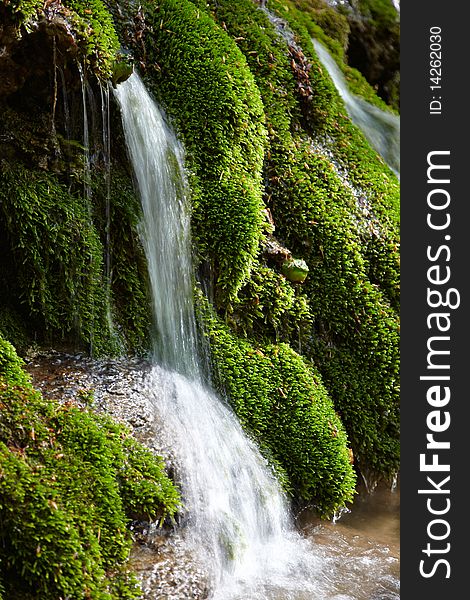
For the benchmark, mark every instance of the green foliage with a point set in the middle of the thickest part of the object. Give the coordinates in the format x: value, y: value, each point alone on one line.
x: 203, y: 81
x: 58, y: 258
x: 332, y: 29
x: 269, y: 306
x: 129, y: 293
x: 352, y: 286
x: 55, y: 254
x: 12, y: 327
x: 11, y: 365
x: 329, y: 21
x: 70, y: 481
x: 283, y: 403
x: 95, y: 26
x: 355, y: 339
x: 24, y: 10
x: 90, y: 22
x: 382, y: 12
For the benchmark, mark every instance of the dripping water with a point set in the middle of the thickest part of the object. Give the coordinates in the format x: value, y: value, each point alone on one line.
x: 65, y: 104
x: 381, y: 128
x: 86, y: 137
x: 106, y: 152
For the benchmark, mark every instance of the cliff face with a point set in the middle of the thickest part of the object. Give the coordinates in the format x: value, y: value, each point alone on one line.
x: 278, y: 173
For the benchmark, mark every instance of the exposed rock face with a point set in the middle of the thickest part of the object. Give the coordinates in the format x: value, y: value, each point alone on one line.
x: 37, y: 61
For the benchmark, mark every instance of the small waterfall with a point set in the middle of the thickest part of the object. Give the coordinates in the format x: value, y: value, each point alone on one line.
x: 382, y: 129
x: 157, y: 158
x: 237, y: 513
x: 237, y: 517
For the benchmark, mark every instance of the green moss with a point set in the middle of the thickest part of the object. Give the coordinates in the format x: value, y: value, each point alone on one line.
x: 355, y: 319
x: 12, y: 327
x: 263, y: 126
x: 95, y: 26
x: 90, y: 22
x: 270, y: 307
x: 58, y: 259
x: 329, y: 22
x: 202, y: 79
x: 351, y: 291
x: 325, y: 24
x: 128, y: 277
x: 56, y: 244
x: 70, y: 481
x: 283, y: 403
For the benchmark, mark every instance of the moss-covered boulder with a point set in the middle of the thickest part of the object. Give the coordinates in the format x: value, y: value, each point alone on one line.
x: 282, y: 402
x: 70, y: 482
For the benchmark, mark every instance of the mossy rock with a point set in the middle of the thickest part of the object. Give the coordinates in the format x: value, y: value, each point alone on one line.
x: 295, y: 270
x: 282, y: 402
x: 70, y: 483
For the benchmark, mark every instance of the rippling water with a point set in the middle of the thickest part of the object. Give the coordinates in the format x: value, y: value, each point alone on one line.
x: 363, y: 546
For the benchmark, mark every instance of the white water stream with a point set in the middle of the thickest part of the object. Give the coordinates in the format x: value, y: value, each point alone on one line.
x: 381, y: 128
x: 238, y: 518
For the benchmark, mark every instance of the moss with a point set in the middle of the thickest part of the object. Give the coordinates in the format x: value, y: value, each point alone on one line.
x: 351, y: 292
x: 12, y: 327
x: 221, y: 123
x: 283, y: 403
x: 95, y: 24
x: 128, y: 292
x: 58, y: 259
x: 70, y: 481
x: 331, y: 28
x: 330, y: 23
x: 269, y: 307
x: 91, y: 25
x: 263, y: 126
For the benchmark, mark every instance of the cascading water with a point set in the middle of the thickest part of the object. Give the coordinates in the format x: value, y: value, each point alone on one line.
x: 382, y: 129
x: 237, y: 516
x: 236, y: 511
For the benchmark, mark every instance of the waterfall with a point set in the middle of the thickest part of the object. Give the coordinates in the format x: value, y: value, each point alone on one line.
x: 237, y: 518
x: 237, y: 513
x: 381, y: 128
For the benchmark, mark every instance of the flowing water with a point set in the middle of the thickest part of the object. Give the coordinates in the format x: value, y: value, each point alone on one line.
x: 237, y: 517
x: 381, y: 128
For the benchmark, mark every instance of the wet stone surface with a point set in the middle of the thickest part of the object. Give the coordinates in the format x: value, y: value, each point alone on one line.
x: 164, y: 562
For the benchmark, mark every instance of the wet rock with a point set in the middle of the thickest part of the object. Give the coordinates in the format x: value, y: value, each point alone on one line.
x: 122, y: 70
x: 158, y: 563
x: 166, y: 564
x: 274, y: 250
x: 374, y: 45
x: 28, y: 51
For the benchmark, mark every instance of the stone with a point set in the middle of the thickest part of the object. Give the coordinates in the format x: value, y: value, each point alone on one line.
x: 295, y: 270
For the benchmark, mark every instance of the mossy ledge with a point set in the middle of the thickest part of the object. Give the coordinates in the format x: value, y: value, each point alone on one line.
x: 282, y: 402
x: 70, y: 482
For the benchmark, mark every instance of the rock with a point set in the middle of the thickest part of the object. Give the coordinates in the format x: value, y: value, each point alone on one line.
x: 295, y: 270
x: 274, y: 250
x: 374, y: 45
x: 122, y: 70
